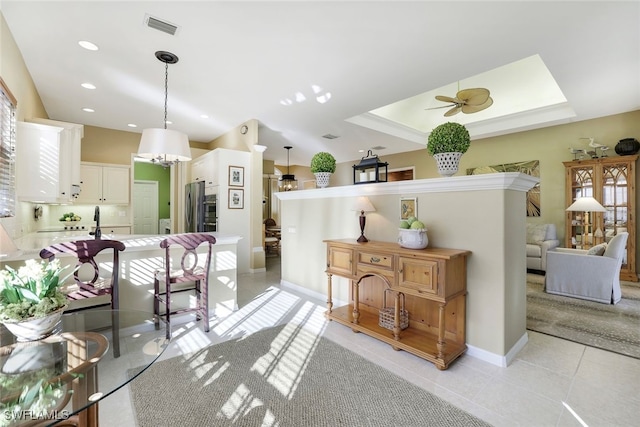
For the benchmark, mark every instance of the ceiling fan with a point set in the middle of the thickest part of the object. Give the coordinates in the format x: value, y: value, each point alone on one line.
x: 467, y: 100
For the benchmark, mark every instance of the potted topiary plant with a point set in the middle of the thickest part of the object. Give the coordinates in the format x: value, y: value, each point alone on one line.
x: 446, y: 143
x: 323, y: 164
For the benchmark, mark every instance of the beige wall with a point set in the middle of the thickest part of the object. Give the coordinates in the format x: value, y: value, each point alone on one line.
x: 14, y: 73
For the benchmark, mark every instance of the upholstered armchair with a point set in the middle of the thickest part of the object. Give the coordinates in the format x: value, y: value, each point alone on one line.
x: 587, y: 274
x: 541, y: 238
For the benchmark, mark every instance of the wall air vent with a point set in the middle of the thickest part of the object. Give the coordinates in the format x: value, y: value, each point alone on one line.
x: 330, y: 136
x: 159, y: 25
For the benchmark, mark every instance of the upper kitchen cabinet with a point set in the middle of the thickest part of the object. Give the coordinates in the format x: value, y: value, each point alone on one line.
x: 103, y: 184
x: 48, y: 162
x: 203, y: 169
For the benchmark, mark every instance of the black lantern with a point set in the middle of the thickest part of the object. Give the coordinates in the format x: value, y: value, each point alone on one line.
x: 370, y: 169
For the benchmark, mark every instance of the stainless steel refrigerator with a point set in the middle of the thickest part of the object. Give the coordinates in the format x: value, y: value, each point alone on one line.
x: 194, y: 207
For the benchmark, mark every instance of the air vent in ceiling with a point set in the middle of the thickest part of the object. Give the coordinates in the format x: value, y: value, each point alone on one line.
x: 330, y: 136
x: 159, y: 25
x: 378, y: 147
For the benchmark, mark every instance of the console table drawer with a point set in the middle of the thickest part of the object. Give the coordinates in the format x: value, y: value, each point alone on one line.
x: 376, y: 260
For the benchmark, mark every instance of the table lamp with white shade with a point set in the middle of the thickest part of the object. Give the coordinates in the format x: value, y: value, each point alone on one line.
x: 363, y: 204
x: 586, y: 205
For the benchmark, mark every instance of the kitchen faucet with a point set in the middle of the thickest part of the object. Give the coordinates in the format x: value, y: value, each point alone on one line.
x: 96, y: 218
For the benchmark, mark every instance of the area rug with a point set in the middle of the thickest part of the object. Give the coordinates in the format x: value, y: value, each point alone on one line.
x: 610, y: 327
x: 284, y: 376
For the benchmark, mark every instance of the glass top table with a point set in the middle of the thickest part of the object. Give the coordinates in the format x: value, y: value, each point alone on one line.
x: 65, y: 375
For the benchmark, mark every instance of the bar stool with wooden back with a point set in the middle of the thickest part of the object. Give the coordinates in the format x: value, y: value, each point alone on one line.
x: 191, y: 267
x: 85, y: 251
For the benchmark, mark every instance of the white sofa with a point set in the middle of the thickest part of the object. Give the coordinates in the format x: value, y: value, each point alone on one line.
x: 585, y: 274
x: 541, y: 238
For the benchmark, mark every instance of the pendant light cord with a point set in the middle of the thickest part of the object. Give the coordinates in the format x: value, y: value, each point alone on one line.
x: 166, y: 91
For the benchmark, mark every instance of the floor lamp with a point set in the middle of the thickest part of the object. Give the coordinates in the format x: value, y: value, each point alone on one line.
x: 363, y: 204
x: 587, y: 205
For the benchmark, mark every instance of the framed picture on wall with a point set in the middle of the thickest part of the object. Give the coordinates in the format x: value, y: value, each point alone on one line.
x: 236, y: 176
x: 408, y: 207
x: 236, y: 198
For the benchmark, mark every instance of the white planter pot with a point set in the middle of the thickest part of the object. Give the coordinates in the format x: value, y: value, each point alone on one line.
x: 322, y: 179
x: 447, y: 163
x: 35, y: 328
x: 413, y: 238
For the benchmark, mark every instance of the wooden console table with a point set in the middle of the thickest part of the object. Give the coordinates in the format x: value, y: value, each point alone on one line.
x: 433, y: 280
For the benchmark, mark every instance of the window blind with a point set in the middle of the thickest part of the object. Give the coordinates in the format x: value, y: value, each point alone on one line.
x: 7, y: 151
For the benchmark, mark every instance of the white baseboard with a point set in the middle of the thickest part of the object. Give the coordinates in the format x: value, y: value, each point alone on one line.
x: 496, y: 359
x: 313, y: 294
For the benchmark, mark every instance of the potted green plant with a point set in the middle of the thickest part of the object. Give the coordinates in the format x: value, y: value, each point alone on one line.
x: 31, y: 301
x: 446, y: 143
x: 323, y: 164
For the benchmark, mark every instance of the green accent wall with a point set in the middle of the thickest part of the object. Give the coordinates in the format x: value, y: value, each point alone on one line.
x: 150, y: 172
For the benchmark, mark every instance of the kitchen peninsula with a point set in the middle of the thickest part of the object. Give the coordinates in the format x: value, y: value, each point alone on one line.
x: 138, y: 262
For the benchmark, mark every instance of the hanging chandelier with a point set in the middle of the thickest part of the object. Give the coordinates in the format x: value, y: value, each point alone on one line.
x: 164, y: 146
x: 288, y: 182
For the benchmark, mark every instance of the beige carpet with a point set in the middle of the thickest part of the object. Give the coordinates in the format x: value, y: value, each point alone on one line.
x: 610, y: 327
x: 284, y: 376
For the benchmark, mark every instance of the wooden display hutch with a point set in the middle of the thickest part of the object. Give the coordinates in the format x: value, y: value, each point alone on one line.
x: 612, y: 182
x: 433, y: 281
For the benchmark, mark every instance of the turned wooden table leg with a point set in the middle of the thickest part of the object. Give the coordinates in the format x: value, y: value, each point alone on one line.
x: 441, y: 342
x: 396, y: 317
x: 329, y: 296
x: 356, y: 301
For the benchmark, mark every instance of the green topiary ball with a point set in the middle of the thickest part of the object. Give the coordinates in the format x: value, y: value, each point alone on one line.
x: 323, y: 162
x: 448, y: 138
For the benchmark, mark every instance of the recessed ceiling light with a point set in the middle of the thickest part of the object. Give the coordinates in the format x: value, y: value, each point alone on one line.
x: 204, y: 116
x: 169, y: 122
x: 88, y: 86
x: 89, y: 110
x: 87, y: 45
x: 132, y: 125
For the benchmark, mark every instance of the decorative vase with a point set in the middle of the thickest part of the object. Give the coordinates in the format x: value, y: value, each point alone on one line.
x: 322, y: 179
x: 627, y: 147
x: 413, y: 238
x: 35, y: 328
x: 447, y: 163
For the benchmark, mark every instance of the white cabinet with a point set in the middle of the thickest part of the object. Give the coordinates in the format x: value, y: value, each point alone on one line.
x: 104, y: 184
x: 46, y: 160
x: 71, y: 142
x: 203, y: 169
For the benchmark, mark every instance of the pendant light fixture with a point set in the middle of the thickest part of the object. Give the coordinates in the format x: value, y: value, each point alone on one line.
x: 164, y: 146
x: 288, y: 182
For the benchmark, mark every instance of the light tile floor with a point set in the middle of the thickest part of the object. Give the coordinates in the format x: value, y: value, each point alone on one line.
x: 552, y: 382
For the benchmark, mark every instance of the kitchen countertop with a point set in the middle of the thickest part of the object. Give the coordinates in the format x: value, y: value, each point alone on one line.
x: 29, y: 246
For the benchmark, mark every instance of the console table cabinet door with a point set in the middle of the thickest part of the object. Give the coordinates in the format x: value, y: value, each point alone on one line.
x: 417, y: 276
x: 340, y: 261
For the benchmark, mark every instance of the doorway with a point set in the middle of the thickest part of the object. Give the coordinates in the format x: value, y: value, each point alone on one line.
x: 145, y: 207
